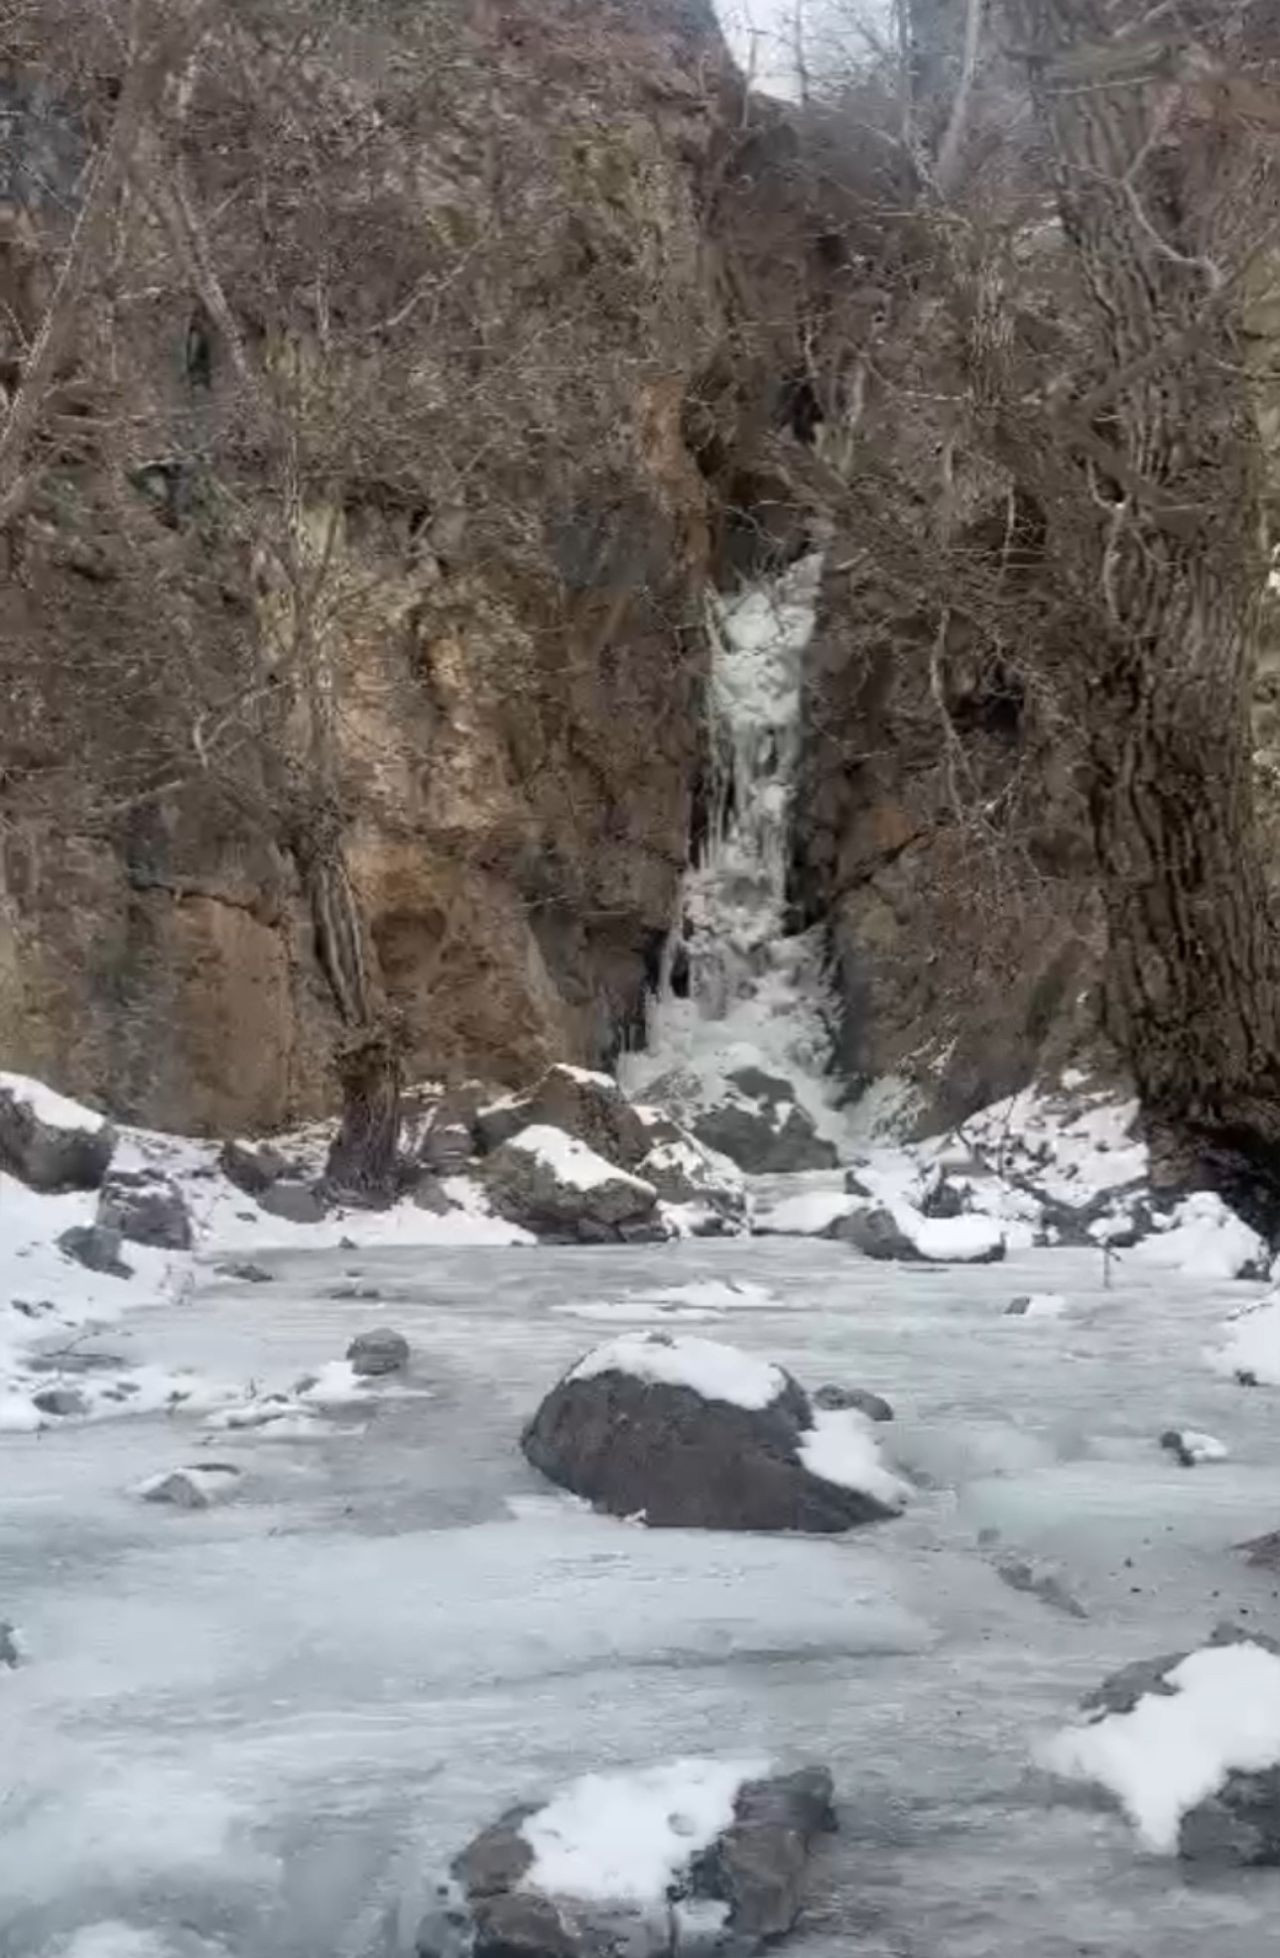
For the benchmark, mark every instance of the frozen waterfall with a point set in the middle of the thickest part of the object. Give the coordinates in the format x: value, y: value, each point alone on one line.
x: 737, y: 990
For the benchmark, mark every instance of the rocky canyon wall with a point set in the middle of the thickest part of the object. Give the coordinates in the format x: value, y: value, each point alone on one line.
x: 385, y: 363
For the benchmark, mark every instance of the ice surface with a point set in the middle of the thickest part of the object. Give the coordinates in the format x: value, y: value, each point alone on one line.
x: 260, y: 1730
x: 841, y: 1447
x: 627, y: 1836
x: 718, y: 1373
x: 1174, y: 1750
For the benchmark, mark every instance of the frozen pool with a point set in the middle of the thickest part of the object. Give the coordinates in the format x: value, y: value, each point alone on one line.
x: 256, y: 1731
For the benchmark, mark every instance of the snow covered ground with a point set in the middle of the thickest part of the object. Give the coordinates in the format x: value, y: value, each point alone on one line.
x: 257, y: 1730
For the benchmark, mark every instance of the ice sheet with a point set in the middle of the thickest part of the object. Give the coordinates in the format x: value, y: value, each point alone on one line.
x: 258, y: 1731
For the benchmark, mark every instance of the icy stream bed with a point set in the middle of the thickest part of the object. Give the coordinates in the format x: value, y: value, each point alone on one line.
x: 257, y: 1731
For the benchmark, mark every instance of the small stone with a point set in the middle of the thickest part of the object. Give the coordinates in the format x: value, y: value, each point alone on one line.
x: 380, y: 1351
x: 367, y: 1292
x: 859, y: 1398
x: 1017, y: 1308
x: 246, y: 1272
x: 10, y: 1650
x: 61, y: 1401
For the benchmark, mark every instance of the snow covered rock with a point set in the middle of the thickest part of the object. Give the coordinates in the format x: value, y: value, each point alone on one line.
x: 1036, y: 1305
x: 556, y: 1186
x: 683, y: 1172
x: 1251, y: 1352
x: 857, y: 1399
x: 761, y: 1126
x: 48, y: 1142
x: 198, y: 1486
x: 379, y: 1351
x: 95, y: 1247
x: 693, y: 1855
x: 687, y: 1433
x: 252, y: 1166
x: 588, y: 1106
x: 1189, y: 1745
x: 1189, y: 1446
x: 875, y: 1231
x: 900, y: 1234
x: 145, y: 1207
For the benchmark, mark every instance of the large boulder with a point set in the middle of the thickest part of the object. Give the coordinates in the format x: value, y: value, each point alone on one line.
x: 588, y: 1106
x: 723, y: 1852
x: 687, y: 1174
x: 552, y: 1184
x: 146, y: 1207
x: 903, y: 1235
x: 48, y: 1142
x: 875, y: 1231
x: 761, y: 1126
x: 689, y: 1434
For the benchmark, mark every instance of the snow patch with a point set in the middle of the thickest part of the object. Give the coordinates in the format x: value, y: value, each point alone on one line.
x: 841, y: 1448
x: 1175, y: 1750
x: 54, y: 1110
x: 1203, y: 1240
x: 718, y: 1373
x: 1252, y: 1349
x: 570, y: 1161
x: 628, y: 1837
x: 807, y: 1215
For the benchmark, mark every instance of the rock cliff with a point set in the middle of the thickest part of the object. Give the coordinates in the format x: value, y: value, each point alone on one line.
x: 383, y: 371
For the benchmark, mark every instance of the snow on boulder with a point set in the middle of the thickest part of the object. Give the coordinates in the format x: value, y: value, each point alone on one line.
x: 48, y: 1142
x: 692, y: 1854
x: 1202, y: 1238
x: 895, y: 1232
x: 1189, y: 1746
x: 588, y: 1106
x: 1190, y: 1447
x: 689, y: 1433
x: 1036, y: 1305
x: 683, y: 1172
x: 556, y: 1186
x: 199, y: 1486
x: 1251, y: 1352
x: 145, y: 1207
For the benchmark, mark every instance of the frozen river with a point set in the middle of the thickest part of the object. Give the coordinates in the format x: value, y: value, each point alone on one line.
x: 257, y: 1731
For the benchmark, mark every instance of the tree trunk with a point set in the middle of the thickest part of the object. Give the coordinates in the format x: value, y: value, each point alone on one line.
x: 362, y: 1160
x: 1157, y: 518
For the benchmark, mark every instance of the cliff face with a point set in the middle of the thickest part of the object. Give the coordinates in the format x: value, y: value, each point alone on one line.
x: 383, y: 370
